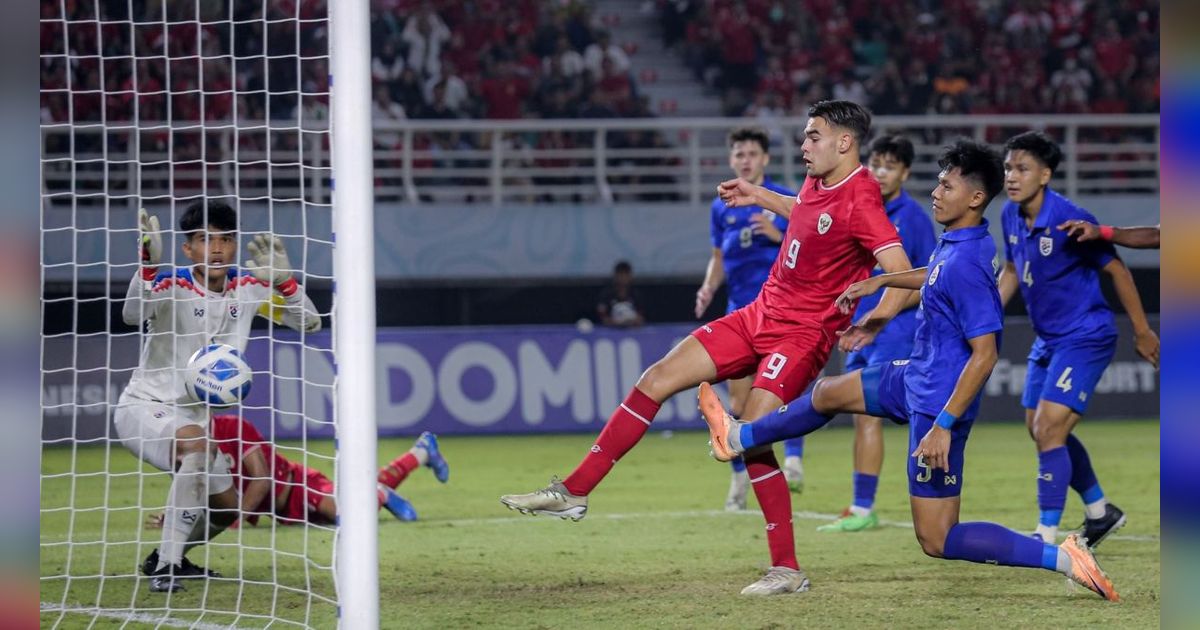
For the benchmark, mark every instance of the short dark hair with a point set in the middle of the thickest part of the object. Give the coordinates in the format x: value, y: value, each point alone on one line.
x: 622, y: 266
x: 896, y: 146
x: 845, y: 114
x: 1039, y: 145
x: 219, y: 215
x: 750, y: 134
x: 977, y: 162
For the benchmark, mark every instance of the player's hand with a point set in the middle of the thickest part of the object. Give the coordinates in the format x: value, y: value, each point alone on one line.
x: 859, y: 335
x: 150, y: 247
x: 935, y: 448
x: 268, y: 259
x: 1080, y: 230
x: 738, y: 192
x: 846, y: 301
x: 154, y: 520
x: 704, y: 297
x: 765, y: 226
x: 1147, y: 345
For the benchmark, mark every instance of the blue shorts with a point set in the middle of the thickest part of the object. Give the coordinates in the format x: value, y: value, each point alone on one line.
x: 878, y: 353
x: 1067, y: 375
x: 884, y: 395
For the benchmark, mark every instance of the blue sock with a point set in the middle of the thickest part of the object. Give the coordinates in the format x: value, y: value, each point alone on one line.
x: 794, y: 447
x: 794, y: 419
x: 1054, y: 477
x: 738, y: 464
x: 864, y: 489
x: 989, y: 543
x: 1083, y: 478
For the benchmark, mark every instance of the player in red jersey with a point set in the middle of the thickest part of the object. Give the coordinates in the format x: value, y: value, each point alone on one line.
x: 837, y: 231
x: 293, y: 493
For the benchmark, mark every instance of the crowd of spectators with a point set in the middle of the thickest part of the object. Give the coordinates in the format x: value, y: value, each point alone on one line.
x: 922, y: 57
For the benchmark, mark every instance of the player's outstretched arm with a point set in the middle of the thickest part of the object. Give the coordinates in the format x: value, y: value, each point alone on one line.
x: 739, y: 192
x: 258, y: 475
x: 138, y: 305
x: 1141, y: 237
x: 935, y: 446
x: 1144, y: 339
x: 714, y: 275
x: 269, y: 263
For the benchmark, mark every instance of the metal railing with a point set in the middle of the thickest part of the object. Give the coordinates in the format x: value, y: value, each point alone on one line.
x: 496, y: 162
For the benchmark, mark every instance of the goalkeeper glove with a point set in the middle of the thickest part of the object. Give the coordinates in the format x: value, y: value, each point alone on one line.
x: 269, y: 263
x: 149, y: 243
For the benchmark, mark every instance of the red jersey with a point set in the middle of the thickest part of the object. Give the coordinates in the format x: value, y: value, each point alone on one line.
x: 237, y: 438
x: 831, y: 241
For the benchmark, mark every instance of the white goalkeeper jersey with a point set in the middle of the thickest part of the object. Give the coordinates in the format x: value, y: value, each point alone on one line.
x: 181, y: 317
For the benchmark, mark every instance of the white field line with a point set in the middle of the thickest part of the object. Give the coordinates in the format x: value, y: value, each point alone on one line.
x: 803, y: 515
x: 159, y: 620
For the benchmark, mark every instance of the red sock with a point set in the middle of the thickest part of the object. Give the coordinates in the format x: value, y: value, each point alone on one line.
x: 771, y: 489
x: 625, y: 427
x: 394, y: 473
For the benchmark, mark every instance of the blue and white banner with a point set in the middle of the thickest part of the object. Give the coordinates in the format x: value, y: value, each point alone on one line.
x: 525, y: 379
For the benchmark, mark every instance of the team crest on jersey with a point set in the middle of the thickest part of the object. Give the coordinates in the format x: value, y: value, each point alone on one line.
x: 1045, y: 245
x: 730, y: 219
x: 937, y: 271
x: 1012, y: 239
x: 824, y: 222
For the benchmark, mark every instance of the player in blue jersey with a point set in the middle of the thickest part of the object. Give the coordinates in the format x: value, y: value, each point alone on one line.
x: 890, y: 159
x: 1059, y: 279
x: 745, y: 243
x: 937, y: 392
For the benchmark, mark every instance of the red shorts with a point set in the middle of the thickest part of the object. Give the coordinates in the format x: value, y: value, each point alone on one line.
x: 309, y: 487
x: 784, y: 356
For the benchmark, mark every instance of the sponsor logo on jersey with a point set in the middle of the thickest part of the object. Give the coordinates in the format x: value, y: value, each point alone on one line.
x: 596, y: 448
x: 937, y: 271
x: 730, y: 219
x: 899, y: 362
x: 769, y: 215
x: 234, y: 310
x: 824, y: 222
x: 198, y: 312
x: 1012, y: 239
x: 1045, y: 245
x: 706, y: 328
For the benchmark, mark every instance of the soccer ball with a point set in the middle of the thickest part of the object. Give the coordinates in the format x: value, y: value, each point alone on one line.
x: 217, y: 375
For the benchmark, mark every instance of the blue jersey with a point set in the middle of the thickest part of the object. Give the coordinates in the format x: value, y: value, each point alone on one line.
x: 1059, y: 276
x: 959, y: 301
x: 916, y: 231
x: 747, y: 257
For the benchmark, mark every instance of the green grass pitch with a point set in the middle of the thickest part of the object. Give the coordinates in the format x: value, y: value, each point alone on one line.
x: 654, y: 551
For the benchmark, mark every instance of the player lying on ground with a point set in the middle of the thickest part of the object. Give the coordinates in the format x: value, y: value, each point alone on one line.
x: 745, y: 242
x: 837, y: 231
x: 1144, y: 237
x: 937, y: 392
x: 1059, y: 279
x: 890, y: 159
x: 292, y: 493
x: 184, y: 309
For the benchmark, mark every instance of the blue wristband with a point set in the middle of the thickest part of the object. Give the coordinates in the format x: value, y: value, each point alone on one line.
x: 946, y: 420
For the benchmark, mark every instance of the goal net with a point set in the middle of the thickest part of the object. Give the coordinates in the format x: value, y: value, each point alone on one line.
x: 156, y: 104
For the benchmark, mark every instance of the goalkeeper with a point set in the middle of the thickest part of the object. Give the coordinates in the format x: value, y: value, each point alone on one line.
x: 183, y: 309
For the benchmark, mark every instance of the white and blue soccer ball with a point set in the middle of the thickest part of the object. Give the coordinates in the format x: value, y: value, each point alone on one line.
x: 217, y: 375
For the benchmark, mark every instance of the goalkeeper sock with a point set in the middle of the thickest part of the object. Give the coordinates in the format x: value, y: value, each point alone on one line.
x: 397, y: 471
x: 185, y: 508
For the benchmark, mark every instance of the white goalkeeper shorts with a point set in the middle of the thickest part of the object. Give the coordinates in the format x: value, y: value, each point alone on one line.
x: 147, y: 429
